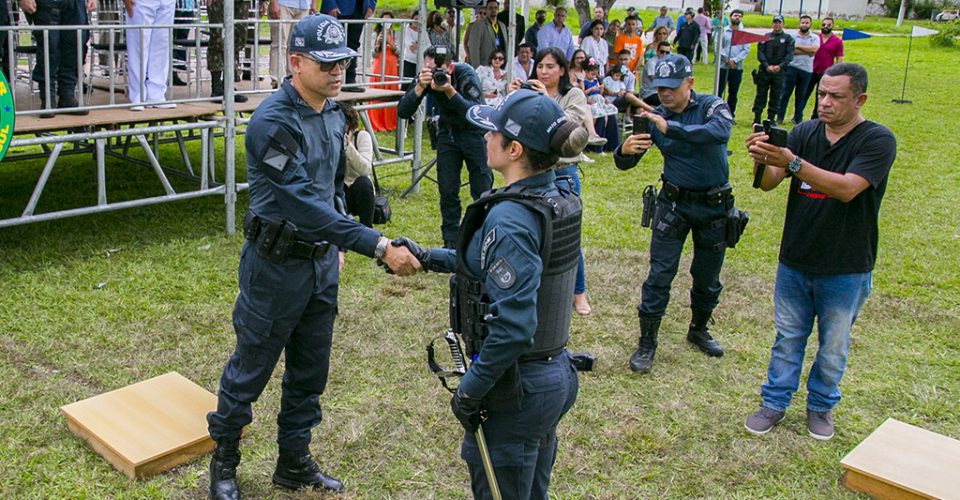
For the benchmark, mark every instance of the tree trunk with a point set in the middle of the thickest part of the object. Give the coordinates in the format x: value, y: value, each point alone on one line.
x: 585, y: 11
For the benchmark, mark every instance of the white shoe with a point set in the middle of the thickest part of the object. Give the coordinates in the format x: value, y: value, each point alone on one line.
x: 166, y: 105
x: 136, y: 108
x: 587, y: 159
x: 596, y: 140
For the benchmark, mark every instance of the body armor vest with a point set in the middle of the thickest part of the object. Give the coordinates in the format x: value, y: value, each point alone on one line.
x: 559, y: 252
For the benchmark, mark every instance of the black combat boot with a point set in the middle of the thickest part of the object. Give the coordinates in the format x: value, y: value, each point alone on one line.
x: 216, y: 87
x: 642, y: 360
x: 296, y: 469
x: 223, y: 471
x: 698, y: 335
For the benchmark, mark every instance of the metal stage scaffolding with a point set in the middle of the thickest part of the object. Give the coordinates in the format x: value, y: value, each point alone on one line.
x: 111, y: 126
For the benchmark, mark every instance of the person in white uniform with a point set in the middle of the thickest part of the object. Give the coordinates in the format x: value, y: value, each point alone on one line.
x: 148, y: 52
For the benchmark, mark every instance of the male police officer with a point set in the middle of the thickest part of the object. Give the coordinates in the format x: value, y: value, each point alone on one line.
x: 289, y: 265
x: 774, y: 55
x: 691, y: 130
x: 454, y: 87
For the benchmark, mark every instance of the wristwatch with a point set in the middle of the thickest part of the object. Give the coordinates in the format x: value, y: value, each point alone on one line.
x: 794, y: 166
x: 381, y: 249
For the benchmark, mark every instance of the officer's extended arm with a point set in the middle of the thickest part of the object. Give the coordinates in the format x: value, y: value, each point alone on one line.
x: 716, y: 130
x: 410, y: 101
x: 470, y: 94
x: 512, y: 289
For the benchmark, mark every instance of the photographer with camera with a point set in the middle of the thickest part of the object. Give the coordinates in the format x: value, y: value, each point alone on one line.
x: 691, y: 130
x: 454, y: 88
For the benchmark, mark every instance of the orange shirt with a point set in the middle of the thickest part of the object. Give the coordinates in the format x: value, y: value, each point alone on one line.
x: 633, y: 43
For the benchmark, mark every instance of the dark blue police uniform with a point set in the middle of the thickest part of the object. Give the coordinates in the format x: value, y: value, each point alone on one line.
x: 295, y: 166
x: 458, y: 142
x: 695, y: 198
x: 505, y: 252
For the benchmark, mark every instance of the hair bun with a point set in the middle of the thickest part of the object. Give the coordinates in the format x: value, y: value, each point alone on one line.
x: 569, y: 140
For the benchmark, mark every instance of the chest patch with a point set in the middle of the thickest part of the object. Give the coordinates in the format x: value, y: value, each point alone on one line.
x: 502, y: 273
x: 488, y: 240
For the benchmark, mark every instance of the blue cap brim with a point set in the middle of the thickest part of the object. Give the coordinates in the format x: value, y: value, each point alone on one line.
x: 332, y: 55
x: 668, y: 82
x: 481, y: 116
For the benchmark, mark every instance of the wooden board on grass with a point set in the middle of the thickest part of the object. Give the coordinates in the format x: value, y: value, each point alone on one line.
x: 148, y: 427
x: 899, y: 460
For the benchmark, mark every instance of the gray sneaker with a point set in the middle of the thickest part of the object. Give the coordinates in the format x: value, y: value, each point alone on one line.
x: 820, y: 424
x: 763, y: 420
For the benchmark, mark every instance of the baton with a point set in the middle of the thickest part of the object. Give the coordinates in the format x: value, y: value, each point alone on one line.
x: 459, y: 369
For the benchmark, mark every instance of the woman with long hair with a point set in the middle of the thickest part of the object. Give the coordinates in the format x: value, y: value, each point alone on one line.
x: 551, y: 79
x: 493, y: 78
x: 384, y: 68
x: 659, y: 35
x: 358, y: 186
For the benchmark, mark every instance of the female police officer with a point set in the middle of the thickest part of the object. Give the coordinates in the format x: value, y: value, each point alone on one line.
x: 515, y: 264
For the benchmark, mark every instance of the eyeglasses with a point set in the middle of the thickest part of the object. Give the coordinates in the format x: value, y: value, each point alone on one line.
x: 662, y: 52
x: 498, y: 58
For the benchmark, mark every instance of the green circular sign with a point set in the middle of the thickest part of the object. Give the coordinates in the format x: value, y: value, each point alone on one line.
x: 6, y: 115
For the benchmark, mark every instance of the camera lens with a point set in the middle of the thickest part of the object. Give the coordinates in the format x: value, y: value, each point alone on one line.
x: 440, y: 77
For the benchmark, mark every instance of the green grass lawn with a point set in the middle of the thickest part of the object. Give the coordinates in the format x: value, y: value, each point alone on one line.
x: 94, y: 303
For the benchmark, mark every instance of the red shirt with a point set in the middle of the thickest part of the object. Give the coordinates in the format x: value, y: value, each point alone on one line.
x: 827, y: 53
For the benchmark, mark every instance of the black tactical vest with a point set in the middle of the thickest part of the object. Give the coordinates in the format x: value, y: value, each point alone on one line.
x: 559, y: 252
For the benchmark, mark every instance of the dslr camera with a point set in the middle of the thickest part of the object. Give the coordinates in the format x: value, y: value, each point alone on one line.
x: 440, y: 75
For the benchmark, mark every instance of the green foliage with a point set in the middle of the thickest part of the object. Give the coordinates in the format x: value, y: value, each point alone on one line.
x: 922, y: 9
x: 947, y: 35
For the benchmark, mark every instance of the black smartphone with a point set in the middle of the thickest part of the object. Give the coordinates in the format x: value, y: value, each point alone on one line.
x: 641, y: 125
x: 758, y: 168
x: 777, y: 136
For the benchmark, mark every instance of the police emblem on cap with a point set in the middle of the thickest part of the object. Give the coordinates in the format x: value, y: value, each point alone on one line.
x: 299, y: 42
x: 330, y: 32
x: 665, y: 69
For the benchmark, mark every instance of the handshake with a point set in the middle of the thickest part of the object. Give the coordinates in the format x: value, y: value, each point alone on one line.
x: 405, y: 258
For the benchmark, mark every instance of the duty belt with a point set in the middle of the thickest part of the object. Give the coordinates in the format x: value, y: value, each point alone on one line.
x: 255, y: 228
x: 712, y: 196
x: 541, y: 356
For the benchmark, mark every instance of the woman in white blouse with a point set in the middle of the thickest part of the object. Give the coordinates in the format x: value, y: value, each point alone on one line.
x: 493, y: 78
x: 595, y: 46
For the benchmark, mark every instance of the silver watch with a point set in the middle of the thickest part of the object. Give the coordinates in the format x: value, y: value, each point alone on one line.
x: 381, y: 249
x: 794, y: 166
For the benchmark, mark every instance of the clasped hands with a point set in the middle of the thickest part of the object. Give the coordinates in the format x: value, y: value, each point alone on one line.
x: 405, y: 258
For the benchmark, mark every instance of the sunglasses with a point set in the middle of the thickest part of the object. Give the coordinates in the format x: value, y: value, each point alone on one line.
x: 498, y: 58
x: 328, y: 66
x: 663, y: 52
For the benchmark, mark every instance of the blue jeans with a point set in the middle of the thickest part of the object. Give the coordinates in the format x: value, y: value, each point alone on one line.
x: 799, y: 297
x: 796, y: 83
x: 574, y: 185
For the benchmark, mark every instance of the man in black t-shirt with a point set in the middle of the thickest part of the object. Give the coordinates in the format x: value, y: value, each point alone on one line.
x: 839, y: 166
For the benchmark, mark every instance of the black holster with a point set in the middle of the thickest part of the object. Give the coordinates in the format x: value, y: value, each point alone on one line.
x: 736, y: 223
x: 272, y: 239
x: 649, y: 205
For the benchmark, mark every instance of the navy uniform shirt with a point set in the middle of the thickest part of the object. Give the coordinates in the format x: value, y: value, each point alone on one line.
x: 295, y: 167
x: 695, y: 146
x: 453, y: 111
x: 776, y: 50
x: 505, y: 252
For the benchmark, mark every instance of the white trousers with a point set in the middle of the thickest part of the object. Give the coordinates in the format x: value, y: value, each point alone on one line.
x: 148, y: 50
x: 279, y: 41
x: 704, y: 48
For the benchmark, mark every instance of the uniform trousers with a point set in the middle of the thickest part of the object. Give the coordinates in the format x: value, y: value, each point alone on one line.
x: 666, y: 246
x: 282, y: 308
x: 454, y: 148
x: 523, y: 444
x: 148, y: 51
x: 62, y: 47
x: 768, y: 84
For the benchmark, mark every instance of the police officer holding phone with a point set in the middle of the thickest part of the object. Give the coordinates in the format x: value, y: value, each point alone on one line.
x: 454, y: 88
x: 289, y: 265
x: 691, y: 130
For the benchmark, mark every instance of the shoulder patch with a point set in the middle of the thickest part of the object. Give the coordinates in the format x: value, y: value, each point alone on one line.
x: 502, y: 273
x: 488, y: 240
x: 276, y: 158
x: 722, y: 108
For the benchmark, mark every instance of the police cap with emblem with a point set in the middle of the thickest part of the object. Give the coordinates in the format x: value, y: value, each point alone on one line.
x: 528, y: 117
x: 671, y: 71
x: 321, y: 38
x: 778, y: 19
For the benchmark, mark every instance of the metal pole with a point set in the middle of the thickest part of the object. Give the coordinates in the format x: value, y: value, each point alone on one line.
x: 487, y: 464
x: 229, y: 130
x: 511, y: 40
x: 903, y: 92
